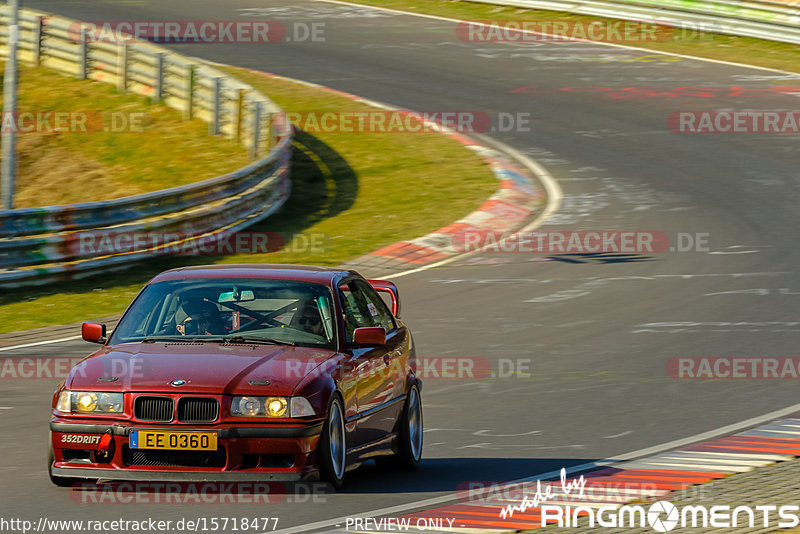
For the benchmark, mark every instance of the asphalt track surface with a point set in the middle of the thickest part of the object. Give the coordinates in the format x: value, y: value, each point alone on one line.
x: 599, y: 330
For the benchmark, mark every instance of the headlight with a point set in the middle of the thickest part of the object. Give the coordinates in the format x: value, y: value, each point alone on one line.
x: 276, y: 406
x: 85, y: 402
x: 248, y: 406
x: 271, y: 407
x: 90, y: 402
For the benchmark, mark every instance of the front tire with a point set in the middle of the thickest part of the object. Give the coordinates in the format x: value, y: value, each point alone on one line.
x: 332, y: 450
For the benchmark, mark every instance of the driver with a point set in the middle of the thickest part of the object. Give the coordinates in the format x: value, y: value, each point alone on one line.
x: 202, y: 318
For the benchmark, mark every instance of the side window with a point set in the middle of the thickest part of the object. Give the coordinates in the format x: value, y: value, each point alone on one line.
x: 363, y: 307
x: 352, y: 306
x: 376, y: 308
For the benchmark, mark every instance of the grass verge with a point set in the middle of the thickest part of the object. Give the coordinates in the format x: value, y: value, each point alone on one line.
x: 86, y: 142
x: 747, y: 50
x: 358, y: 192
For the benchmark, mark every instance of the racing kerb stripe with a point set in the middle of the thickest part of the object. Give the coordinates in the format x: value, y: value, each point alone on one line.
x: 649, y: 478
x: 516, y: 201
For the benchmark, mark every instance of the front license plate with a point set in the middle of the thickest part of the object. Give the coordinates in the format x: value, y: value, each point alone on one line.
x: 188, y: 441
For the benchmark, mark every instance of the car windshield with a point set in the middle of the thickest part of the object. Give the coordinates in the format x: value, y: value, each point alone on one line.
x: 227, y: 310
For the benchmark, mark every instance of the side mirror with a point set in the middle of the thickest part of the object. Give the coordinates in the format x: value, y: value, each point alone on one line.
x: 370, y: 336
x: 384, y: 286
x: 94, y: 332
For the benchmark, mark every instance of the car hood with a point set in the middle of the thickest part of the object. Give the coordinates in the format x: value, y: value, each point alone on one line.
x: 202, y: 367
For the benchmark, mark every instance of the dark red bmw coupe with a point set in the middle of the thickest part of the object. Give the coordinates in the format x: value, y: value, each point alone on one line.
x: 242, y: 372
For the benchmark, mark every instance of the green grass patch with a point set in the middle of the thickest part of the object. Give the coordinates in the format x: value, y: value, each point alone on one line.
x: 357, y: 192
x: 106, y: 144
x: 747, y: 50
x: 368, y: 190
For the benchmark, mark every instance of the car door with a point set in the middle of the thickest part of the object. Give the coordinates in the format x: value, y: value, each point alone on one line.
x: 375, y: 368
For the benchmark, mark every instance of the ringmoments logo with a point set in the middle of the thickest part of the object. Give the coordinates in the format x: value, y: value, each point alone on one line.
x: 663, y: 516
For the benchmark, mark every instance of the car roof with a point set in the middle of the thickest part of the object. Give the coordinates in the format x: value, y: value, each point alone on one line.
x: 306, y: 273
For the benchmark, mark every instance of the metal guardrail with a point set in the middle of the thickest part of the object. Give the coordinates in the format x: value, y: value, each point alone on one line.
x: 772, y: 20
x: 38, y: 244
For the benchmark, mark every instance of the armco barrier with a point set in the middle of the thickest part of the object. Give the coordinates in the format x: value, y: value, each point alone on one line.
x: 37, y: 245
x: 773, y: 20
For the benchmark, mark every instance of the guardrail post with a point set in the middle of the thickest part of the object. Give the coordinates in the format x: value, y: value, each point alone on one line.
x: 271, y: 134
x: 256, y: 132
x: 122, y: 67
x: 159, y: 77
x: 239, y: 115
x: 216, y: 120
x: 8, y: 138
x: 187, y: 111
x: 37, y: 40
x: 84, y: 52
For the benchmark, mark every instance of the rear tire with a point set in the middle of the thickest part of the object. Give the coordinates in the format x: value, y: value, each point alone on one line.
x: 409, y: 442
x: 332, y: 450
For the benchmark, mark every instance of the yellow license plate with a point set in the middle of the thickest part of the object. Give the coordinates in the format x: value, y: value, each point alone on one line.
x: 167, y: 440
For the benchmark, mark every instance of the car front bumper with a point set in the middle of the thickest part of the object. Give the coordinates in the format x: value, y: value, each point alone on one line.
x: 244, y: 453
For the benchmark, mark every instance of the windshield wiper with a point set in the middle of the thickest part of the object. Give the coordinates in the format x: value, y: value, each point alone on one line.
x: 256, y: 340
x: 224, y: 340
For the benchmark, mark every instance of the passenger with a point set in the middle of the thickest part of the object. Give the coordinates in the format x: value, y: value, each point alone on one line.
x: 310, y: 321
